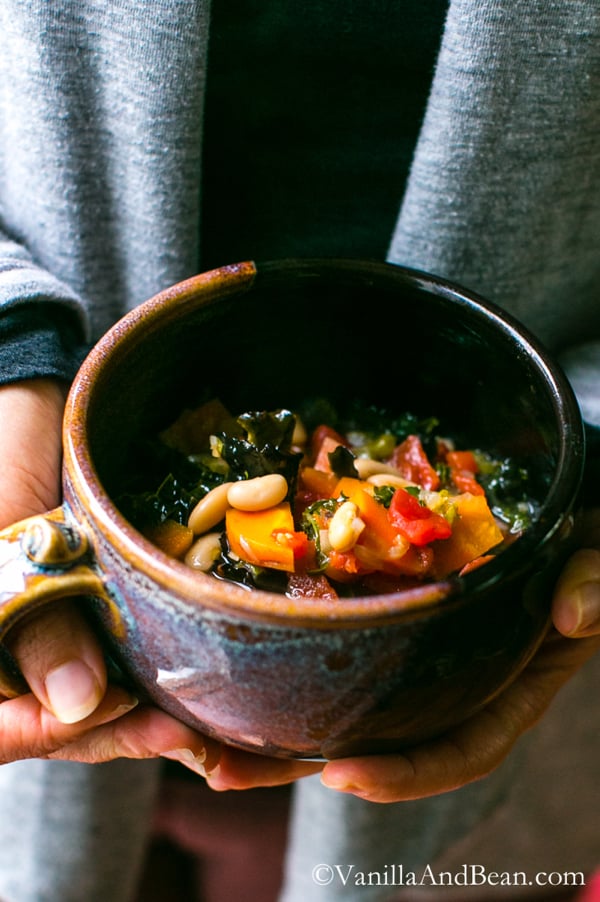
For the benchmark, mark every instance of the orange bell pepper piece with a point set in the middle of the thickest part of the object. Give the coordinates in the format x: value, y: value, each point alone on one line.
x: 316, y: 483
x: 171, y: 537
x: 474, y: 531
x: 260, y: 537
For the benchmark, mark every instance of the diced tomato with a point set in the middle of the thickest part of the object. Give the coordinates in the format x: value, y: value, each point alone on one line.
x: 410, y: 460
x: 462, y: 460
x: 463, y: 468
x: 297, y: 541
x: 344, y: 566
x: 415, y: 521
x: 322, y: 432
x: 310, y: 585
x: 466, y: 482
x: 327, y: 447
x: 324, y: 440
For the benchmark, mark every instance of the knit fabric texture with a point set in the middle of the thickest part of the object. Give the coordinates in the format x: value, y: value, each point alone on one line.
x: 101, y: 116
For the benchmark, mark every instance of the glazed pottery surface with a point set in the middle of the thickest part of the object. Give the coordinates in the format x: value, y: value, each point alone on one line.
x: 306, y: 677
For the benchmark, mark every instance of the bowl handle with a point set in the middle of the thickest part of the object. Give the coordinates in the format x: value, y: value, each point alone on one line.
x: 42, y: 559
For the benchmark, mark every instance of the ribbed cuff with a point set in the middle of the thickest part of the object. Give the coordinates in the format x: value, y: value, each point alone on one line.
x: 39, y: 341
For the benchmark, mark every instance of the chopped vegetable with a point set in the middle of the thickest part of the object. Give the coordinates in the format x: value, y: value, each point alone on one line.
x: 310, y: 585
x: 192, y: 428
x: 171, y: 537
x: 415, y: 521
x: 264, y: 537
x: 410, y: 460
x: 474, y: 532
x: 463, y: 469
x: 371, y: 502
x: 328, y: 446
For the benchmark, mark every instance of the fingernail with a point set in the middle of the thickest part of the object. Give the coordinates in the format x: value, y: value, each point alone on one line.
x: 73, y: 691
x: 349, y: 788
x: 339, y: 782
x: 342, y: 785
x: 193, y: 760
x: 218, y: 782
x: 125, y: 707
x: 587, y: 606
x: 120, y: 710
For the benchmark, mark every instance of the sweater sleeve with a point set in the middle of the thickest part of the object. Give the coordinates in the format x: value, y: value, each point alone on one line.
x: 23, y: 281
x: 39, y: 341
x: 43, y: 329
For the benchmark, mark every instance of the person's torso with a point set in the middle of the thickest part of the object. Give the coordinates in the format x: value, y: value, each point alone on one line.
x: 312, y: 115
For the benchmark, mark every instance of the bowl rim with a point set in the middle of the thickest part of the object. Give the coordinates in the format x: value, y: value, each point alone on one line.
x: 84, y: 490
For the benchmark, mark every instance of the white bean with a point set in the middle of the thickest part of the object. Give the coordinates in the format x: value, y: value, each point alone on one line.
x: 366, y: 467
x: 345, y: 527
x: 394, y: 479
x: 299, y: 435
x: 257, y: 494
x: 210, y: 510
x: 204, y: 552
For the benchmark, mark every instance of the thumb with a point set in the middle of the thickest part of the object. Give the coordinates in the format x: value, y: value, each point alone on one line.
x: 61, y: 661
x: 576, y: 601
x: 55, y: 650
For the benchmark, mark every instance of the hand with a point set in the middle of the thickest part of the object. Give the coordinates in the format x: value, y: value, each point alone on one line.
x: 476, y: 747
x: 70, y: 712
x: 576, y: 603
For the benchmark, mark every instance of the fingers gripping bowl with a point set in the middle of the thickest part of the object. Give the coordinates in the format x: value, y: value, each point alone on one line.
x: 306, y: 677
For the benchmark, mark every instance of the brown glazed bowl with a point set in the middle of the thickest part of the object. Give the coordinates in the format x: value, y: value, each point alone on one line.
x: 305, y: 678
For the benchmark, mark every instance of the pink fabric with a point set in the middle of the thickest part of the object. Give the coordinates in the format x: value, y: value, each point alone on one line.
x: 223, y: 847
x: 234, y: 841
x: 591, y: 892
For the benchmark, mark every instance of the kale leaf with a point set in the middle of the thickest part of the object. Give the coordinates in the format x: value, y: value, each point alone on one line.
x: 266, y: 448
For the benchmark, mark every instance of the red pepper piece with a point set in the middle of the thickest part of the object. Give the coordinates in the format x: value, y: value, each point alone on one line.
x: 416, y: 522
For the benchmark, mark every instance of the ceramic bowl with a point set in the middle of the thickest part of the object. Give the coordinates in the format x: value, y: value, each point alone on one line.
x: 306, y: 677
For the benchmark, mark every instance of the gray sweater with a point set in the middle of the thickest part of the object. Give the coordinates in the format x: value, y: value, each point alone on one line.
x: 100, y: 157
x: 100, y: 192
